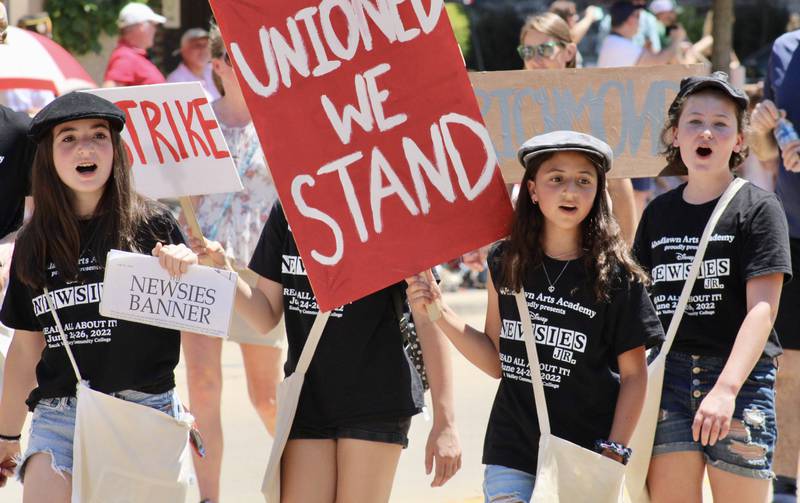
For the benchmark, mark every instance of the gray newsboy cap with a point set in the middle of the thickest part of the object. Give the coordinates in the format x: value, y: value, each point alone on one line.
x: 73, y: 106
x: 560, y: 141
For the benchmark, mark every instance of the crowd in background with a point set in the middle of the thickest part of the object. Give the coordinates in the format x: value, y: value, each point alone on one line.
x: 628, y: 33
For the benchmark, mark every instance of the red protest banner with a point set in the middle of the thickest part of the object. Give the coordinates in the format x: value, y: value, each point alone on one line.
x: 372, y: 134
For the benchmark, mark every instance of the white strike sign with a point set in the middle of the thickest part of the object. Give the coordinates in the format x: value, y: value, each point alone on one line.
x: 173, y: 140
x: 136, y: 288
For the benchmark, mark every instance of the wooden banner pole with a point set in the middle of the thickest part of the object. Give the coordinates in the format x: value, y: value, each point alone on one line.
x: 191, y: 217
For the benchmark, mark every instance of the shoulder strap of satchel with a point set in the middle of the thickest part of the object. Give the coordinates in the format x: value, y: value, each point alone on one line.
x: 52, y: 307
x: 311, y: 342
x: 533, y: 363
x: 527, y: 327
x: 719, y: 209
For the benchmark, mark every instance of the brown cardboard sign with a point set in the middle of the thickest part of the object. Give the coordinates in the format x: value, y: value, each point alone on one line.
x: 625, y: 107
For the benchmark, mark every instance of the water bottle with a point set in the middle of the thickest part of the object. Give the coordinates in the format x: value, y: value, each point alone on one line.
x: 784, y: 133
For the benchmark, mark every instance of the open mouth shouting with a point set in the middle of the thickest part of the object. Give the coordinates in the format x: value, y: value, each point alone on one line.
x: 86, y: 168
x: 703, y: 152
x: 568, y: 208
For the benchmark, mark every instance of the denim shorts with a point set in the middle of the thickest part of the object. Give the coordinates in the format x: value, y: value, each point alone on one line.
x: 748, y: 448
x: 508, y: 485
x: 53, y: 425
x: 388, y: 431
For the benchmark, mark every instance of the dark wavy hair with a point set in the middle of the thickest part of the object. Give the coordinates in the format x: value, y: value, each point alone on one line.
x: 605, y: 253
x: 53, y: 233
x: 673, y: 154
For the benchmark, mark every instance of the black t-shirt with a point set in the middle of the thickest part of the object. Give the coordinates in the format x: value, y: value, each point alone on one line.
x: 360, y: 370
x: 111, y: 354
x: 16, y: 157
x: 578, y: 341
x: 751, y: 239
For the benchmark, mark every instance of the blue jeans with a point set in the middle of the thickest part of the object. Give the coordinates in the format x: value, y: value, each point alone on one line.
x: 53, y: 425
x: 505, y: 484
x: 747, y: 450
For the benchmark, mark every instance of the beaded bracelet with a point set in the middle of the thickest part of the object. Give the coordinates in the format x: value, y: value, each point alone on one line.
x: 10, y: 438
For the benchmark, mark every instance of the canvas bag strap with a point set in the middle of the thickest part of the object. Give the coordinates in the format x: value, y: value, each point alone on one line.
x: 63, y: 335
x: 311, y: 343
x: 533, y: 363
x: 719, y: 209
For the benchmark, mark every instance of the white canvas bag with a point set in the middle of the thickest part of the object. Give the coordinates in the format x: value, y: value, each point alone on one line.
x: 565, y: 472
x: 645, y: 432
x: 124, y: 452
x: 288, y: 395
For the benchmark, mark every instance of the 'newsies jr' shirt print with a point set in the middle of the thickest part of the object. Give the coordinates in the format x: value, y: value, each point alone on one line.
x: 751, y: 239
x: 112, y: 354
x: 578, y: 340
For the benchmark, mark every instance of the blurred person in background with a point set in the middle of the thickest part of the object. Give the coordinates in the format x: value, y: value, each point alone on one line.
x: 620, y: 49
x: 666, y: 11
x: 195, y: 65
x: 16, y: 156
x: 128, y: 64
x: 236, y: 221
x: 647, y: 34
x: 781, y: 100
x: 578, y: 26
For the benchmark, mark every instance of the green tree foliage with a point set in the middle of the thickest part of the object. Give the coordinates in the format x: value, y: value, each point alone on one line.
x: 692, y: 19
x: 459, y: 20
x: 78, y: 24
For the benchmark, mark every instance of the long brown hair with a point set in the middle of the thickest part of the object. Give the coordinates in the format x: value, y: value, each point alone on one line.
x: 605, y: 253
x: 53, y: 233
x: 551, y: 25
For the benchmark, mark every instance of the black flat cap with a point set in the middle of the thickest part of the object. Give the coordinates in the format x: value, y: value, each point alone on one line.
x: 561, y: 141
x: 73, y: 106
x: 717, y: 80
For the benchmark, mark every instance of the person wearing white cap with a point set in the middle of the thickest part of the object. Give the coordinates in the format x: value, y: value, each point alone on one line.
x: 195, y: 62
x: 666, y: 11
x: 128, y: 64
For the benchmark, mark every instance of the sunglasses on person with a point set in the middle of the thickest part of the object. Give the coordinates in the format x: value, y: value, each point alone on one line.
x: 226, y: 58
x: 545, y: 50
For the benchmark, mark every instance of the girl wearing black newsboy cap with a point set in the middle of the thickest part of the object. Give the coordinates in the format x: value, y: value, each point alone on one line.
x: 717, y: 409
x: 85, y: 206
x: 590, y: 315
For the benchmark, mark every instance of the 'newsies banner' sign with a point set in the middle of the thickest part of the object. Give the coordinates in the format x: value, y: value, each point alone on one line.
x: 372, y: 134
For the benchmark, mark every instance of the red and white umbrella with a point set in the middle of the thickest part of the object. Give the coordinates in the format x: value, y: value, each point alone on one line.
x: 31, y: 61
